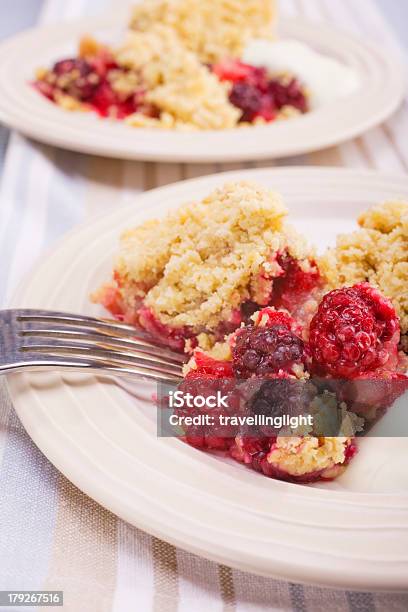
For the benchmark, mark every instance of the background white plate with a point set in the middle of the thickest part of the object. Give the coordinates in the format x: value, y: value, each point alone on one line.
x: 382, y: 89
x: 352, y: 533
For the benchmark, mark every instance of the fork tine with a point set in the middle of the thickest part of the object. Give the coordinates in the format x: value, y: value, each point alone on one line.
x: 108, y: 342
x: 53, y: 316
x: 105, y: 327
x: 100, y: 368
x: 113, y: 357
x: 101, y: 324
x: 41, y: 339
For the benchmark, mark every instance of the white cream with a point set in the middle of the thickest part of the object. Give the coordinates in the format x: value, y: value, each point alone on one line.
x: 326, y: 78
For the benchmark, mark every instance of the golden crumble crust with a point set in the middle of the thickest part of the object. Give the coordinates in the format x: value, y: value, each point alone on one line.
x: 299, y: 455
x: 185, y: 91
x: 377, y: 253
x: 213, y: 29
x: 197, y: 265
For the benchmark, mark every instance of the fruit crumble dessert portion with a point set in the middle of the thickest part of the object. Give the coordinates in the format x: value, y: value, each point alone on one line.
x: 377, y: 253
x: 267, y: 361
x: 352, y: 337
x: 228, y: 280
x: 193, y: 277
x: 180, y: 67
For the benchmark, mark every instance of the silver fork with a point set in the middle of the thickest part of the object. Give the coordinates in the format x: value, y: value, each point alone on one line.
x: 46, y: 340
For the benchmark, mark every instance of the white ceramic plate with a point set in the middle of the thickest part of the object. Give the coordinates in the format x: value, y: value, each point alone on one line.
x: 352, y: 533
x: 382, y: 89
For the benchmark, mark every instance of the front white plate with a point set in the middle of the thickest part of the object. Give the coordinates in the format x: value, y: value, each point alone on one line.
x: 351, y: 533
x: 21, y: 107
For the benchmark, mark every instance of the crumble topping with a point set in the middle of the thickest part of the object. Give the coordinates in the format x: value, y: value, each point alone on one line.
x: 212, y: 29
x: 179, y: 69
x: 186, y: 92
x: 304, y: 455
x: 377, y: 253
x: 198, y: 265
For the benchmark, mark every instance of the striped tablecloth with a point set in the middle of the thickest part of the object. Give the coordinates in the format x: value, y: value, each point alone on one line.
x: 52, y: 536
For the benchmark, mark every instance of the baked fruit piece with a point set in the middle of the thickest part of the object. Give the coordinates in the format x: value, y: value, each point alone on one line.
x: 269, y: 354
x: 354, y: 332
x: 377, y: 253
x: 354, y: 339
x: 350, y: 345
x: 196, y: 275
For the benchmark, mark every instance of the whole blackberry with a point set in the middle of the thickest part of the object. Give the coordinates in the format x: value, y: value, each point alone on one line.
x: 266, y: 350
x: 248, y: 98
x: 281, y: 396
x: 290, y: 94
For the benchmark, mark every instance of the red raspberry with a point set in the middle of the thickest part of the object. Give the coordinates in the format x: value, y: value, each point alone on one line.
x: 214, y: 436
x: 213, y: 367
x: 295, y: 285
x: 238, y: 72
x: 355, y: 330
x: 262, y: 351
x: 268, y: 317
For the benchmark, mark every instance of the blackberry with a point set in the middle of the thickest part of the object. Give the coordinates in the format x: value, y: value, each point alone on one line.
x: 248, y: 98
x: 266, y: 350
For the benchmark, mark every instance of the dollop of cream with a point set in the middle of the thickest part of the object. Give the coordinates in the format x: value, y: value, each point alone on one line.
x: 326, y: 78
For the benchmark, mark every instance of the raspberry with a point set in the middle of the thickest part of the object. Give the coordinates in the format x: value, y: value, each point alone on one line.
x: 268, y: 317
x: 355, y: 330
x: 238, y: 72
x: 107, y: 102
x: 104, y: 99
x: 266, y: 350
x: 213, y: 367
x: 295, y: 284
x: 213, y: 436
